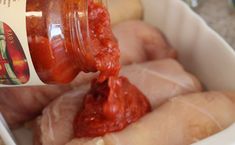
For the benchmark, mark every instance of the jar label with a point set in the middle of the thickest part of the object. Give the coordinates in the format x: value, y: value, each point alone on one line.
x: 16, y: 67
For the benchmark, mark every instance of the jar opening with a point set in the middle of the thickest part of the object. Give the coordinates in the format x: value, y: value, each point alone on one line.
x: 80, y: 34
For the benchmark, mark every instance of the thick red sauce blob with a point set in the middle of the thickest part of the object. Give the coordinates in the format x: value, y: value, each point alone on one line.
x: 110, y: 106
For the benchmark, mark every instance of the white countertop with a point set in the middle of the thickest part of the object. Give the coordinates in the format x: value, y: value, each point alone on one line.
x: 218, y: 15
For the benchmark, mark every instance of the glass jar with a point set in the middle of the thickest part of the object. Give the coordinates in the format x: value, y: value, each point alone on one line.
x: 51, y: 41
x: 56, y: 31
x: 62, y: 39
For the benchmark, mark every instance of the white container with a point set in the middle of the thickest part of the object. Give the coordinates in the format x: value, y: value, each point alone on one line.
x: 201, y: 50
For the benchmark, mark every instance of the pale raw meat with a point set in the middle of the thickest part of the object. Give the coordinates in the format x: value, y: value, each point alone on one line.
x: 181, y: 121
x: 55, y: 126
x: 87, y: 141
x: 159, y: 80
x: 24, y: 103
x: 139, y: 42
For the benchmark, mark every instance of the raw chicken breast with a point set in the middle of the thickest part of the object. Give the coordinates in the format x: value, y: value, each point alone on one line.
x: 159, y: 80
x: 55, y: 126
x: 87, y: 141
x: 139, y: 42
x: 181, y: 121
x: 24, y: 103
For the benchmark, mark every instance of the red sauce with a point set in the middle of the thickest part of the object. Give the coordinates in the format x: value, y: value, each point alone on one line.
x: 105, y: 45
x: 110, y: 106
x: 55, y: 46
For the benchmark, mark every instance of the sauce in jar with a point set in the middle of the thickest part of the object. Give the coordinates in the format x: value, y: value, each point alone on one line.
x: 66, y: 37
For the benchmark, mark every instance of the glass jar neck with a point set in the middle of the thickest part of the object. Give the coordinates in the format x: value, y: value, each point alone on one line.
x: 78, y: 21
x: 79, y: 34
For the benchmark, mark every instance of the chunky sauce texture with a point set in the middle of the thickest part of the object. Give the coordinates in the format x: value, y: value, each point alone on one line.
x: 110, y: 106
x: 106, y: 50
x: 55, y: 45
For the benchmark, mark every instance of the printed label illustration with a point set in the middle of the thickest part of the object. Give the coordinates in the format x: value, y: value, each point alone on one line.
x: 14, y: 69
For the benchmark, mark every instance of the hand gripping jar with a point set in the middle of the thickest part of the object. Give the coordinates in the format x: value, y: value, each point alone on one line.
x: 51, y: 41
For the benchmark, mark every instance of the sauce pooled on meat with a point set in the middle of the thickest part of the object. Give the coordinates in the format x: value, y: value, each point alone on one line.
x: 110, y: 106
x: 112, y: 102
